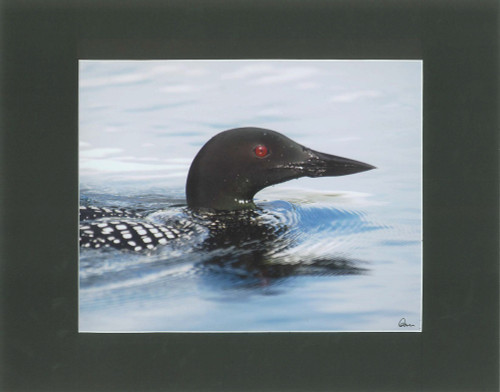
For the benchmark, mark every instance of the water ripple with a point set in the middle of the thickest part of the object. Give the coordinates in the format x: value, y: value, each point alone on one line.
x: 278, y: 240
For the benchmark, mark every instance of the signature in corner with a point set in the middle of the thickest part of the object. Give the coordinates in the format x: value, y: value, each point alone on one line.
x: 402, y: 323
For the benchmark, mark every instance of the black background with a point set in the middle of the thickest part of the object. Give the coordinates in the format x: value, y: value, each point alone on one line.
x: 41, y: 42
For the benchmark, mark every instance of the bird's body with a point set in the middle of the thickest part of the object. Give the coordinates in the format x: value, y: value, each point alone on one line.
x: 224, y: 176
x: 127, y: 230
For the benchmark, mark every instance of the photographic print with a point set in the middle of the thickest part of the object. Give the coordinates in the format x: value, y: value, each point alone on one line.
x: 250, y: 196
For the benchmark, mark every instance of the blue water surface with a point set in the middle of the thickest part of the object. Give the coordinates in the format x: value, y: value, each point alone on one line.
x: 323, y: 254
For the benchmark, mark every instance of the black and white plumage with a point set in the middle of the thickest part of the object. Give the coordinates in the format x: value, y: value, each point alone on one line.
x: 91, y: 212
x: 134, y: 233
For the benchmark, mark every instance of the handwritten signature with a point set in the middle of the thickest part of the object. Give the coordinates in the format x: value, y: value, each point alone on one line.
x: 402, y: 323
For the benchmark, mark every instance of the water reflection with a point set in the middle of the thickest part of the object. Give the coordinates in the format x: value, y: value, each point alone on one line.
x: 256, y: 246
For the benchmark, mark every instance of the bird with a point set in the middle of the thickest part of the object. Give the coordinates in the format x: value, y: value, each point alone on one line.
x: 223, y: 178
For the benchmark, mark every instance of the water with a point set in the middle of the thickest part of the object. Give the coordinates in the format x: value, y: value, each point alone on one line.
x: 323, y: 254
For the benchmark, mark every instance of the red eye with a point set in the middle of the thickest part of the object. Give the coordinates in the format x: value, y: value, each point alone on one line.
x: 261, y: 151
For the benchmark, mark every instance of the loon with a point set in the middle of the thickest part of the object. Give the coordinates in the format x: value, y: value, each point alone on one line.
x: 224, y: 177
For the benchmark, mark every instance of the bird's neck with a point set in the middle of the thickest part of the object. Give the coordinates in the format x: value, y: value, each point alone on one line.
x: 218, y: 194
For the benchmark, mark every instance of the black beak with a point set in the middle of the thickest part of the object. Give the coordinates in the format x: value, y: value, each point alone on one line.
x: 318, y: 164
